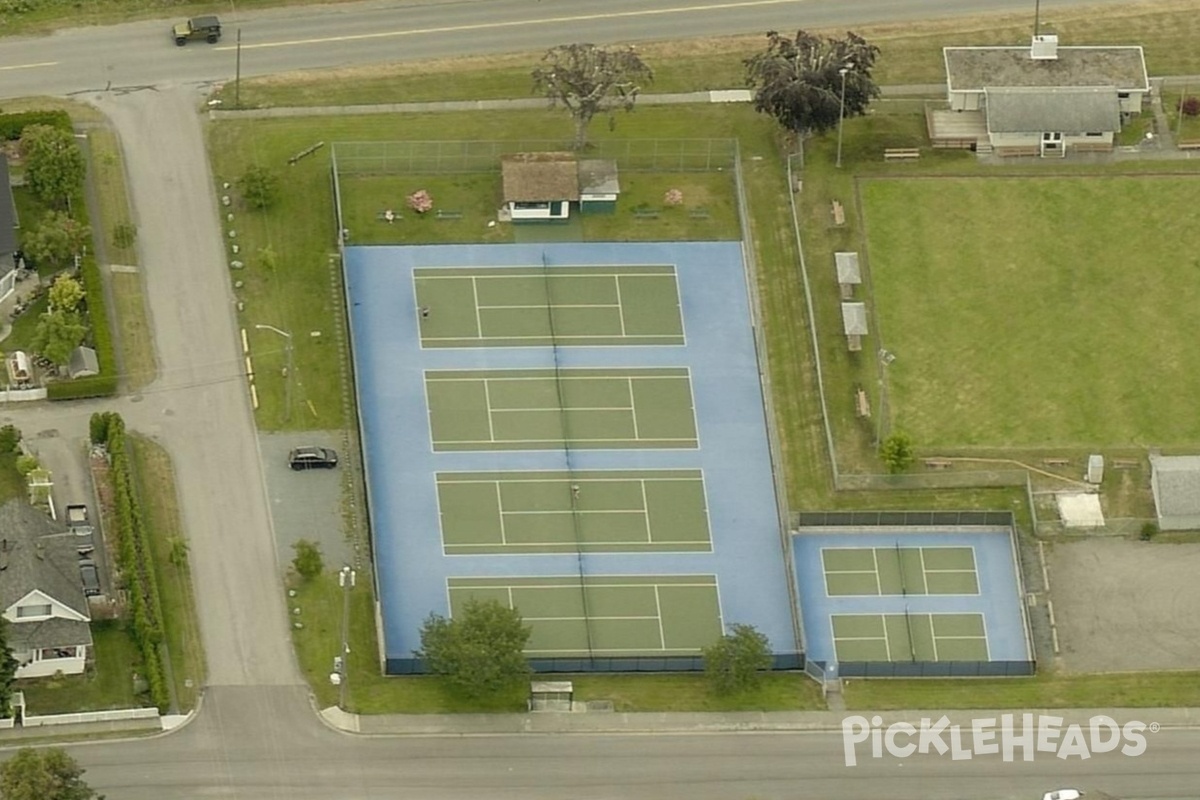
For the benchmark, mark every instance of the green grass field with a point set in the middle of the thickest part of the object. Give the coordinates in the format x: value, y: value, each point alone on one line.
x: 1037, y: 311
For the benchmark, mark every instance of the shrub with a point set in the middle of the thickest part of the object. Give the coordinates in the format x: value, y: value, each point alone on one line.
x: 260, y: 187
x: 897, y: 452
x: 673, y: 197
x: 10, y: 439
x: 124, y: 235
x: 420, y: 201
x: 13, y: 125
x: 1191, y: 106
x: 1148, y: 532
x: 308, y: 562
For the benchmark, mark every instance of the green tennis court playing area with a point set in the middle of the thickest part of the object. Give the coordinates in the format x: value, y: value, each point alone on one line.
x: 899, y: 570
x: 549, y: 409
x: 910, y: 637
x: 590, y: 511
x: 540, y: 306
x: 606, y: 615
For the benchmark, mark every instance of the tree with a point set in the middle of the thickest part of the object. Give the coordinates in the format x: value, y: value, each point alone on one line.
x: 66, y: 294
x: 8, y: 670
x: 589, y: 80
x: 897, y: 452
x: 308, y: 563
x: 54, y: 164
x: 48, y: 774
x: 57, y: 334
x: 481, y: 650
x: 735, y: 662
x: 799, y: 81
x: 57, y: 239
x: 260, y: 187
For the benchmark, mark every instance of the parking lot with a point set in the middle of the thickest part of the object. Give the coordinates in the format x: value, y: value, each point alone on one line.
x: 305, y: 504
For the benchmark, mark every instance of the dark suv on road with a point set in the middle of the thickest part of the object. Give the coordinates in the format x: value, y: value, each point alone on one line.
x: 312, y: 458
x: 206, y: 28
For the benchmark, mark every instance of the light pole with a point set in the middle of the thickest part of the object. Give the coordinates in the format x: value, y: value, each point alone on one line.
x: 841, y: 114
x: 346, y: 580
x: 288, y: 370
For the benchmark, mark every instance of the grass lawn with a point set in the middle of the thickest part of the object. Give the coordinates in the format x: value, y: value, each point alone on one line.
x: 108, y: 685
x: 11, y: 483
x: 1035, y: 312
x: 780, y: 691
x: 156, y: 490
x: 1126, y: 690
x: 1189, y: 131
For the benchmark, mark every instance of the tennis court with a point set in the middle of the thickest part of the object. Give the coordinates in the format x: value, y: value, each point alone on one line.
x: 851, y: 571
x: 909, y: 637
x: 536, y: 306
x: 550, y: 409
x: 594, y: 511
x: 605, y: 615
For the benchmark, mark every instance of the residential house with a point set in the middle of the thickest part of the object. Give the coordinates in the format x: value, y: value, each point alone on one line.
x: 1039, y: 100
x: 41, y: 593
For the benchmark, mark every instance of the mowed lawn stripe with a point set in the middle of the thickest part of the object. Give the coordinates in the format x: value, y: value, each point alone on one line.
x: 1037, y: 311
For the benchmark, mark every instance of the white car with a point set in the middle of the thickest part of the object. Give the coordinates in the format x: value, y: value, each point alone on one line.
x: 1063, y: 794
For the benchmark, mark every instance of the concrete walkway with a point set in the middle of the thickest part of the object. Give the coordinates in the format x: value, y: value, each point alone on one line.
x: 793, y: 721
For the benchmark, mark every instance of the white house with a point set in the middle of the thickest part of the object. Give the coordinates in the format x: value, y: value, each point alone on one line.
x: 41, y: 593
x: 1043, y: 99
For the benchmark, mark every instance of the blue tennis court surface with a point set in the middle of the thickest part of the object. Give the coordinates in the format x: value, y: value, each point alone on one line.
x: 910, y: 594
x: 615, y: 488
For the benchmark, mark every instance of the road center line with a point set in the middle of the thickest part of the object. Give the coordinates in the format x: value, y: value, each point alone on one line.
x: 30, y: 66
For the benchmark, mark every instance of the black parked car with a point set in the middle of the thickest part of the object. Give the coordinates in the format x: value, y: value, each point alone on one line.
x: 312, y: 458
x: 90, y: 576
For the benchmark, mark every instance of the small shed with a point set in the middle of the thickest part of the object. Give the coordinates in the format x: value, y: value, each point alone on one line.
x: 848, y: 273
x: 83, y: 363
x: 598, y: 186
x: 1095, y: 469
x: 1175, y: 483
x: 539, y: 186
x: 551, y: 695
x: 854, y: 324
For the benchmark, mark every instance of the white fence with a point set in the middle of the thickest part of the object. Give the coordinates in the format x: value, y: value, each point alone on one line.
x: 8, y: 395
x: 115, y: 715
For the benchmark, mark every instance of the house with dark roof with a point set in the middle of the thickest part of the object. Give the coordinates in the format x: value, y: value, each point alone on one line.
x: 1175, y: 483
x: 8, y: 232
x: 1040, y: 100
x: 41, y: 593
x: 544, y: 186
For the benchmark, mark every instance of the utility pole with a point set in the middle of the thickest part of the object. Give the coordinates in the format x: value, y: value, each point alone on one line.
x: 841, y: 114
x: 346, y: 579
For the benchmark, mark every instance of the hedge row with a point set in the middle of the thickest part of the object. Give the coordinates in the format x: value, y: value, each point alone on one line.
x: 134, y: 555
x: 104, y: 384
x: 11, y: 125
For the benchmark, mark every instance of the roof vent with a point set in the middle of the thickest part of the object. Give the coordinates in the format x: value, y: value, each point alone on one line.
x: 1045, y: 47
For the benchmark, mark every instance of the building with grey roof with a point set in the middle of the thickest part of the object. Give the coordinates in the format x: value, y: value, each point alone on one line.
x: 1175, y: 482
x: 41, y: 593
x: 1045, y: 99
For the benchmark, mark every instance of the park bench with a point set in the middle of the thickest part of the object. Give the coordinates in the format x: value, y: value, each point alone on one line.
x: 862, y: 406
x: 449, y: 214
x: 901, y: 154
x: 1126, y: 463
x: 1056, y: 462
x: 938, y: 463
x: 839, y: 213
x: 699, y: 212
x: 1195, y: 145
x: 645, y: 214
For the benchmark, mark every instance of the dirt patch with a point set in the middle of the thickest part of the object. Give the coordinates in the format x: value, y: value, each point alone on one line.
x: 1122, y: 605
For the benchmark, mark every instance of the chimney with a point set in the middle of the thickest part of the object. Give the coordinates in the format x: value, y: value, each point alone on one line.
x: 1045, y: 47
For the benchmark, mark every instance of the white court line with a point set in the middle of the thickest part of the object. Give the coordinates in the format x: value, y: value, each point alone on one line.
x: 536, y: 271
x: 557, y: 441
x: 614, y: 479
x: 556, y: 336
x: 500, y: 508
x: 487, y: 398
x: 535, y: 512
x: 886, y: 636
x: 633, y: 409
x: 662, y: 635
x: 559, y: 410
x: 432, y: 376
x: 580, y: 619
x: 646, y: 512
x: 924, y: 572
x: 620, y: 303
x: 878, y: 585
x: 478, y: 319
x: 540, y: 306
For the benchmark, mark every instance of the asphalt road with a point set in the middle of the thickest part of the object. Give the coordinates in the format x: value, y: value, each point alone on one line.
x: 256, y: 737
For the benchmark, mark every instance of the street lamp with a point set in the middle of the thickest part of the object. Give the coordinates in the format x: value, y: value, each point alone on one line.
x: 841, y: 113
x: 287, y: 386
x: 346, y: 580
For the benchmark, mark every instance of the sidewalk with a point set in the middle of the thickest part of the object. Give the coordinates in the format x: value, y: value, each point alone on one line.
x: 549, y: 722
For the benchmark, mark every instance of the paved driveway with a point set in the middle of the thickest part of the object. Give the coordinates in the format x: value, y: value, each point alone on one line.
x: 305, y: 505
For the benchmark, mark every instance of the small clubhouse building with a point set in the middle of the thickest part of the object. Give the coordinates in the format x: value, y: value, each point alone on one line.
x: 1041, y: 100
x: 544, y: 186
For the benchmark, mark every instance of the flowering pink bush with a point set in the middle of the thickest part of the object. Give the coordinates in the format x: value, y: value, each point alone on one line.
x: 420, y: 201
x: 673, y: 197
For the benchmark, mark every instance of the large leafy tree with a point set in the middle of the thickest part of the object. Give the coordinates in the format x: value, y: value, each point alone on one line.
x: 54, y: 164
x: 588, y: 80
x: 8, y: 664
x: 736, y: 661
x: 798, y: 81
x: 57, y: 238
x: 48, y: 774
x: 57, y: 334
x: 480, y: 650
x: 66, y: 294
